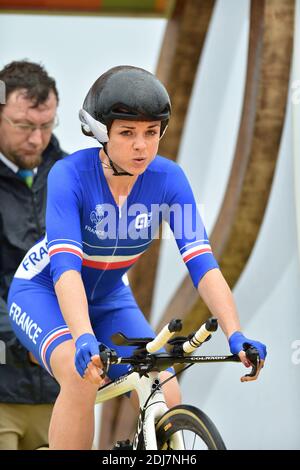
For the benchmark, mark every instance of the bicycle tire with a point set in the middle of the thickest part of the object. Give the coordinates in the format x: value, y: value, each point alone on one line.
x: 187, y: 418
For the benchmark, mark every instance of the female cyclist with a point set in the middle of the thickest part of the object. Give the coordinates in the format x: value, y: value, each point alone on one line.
x: 104, y: 207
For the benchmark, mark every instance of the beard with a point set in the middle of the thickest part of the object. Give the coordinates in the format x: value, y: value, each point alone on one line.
x: 27, y: 162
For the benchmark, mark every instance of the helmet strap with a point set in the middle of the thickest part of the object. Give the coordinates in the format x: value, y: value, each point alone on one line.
x: 112, y: 165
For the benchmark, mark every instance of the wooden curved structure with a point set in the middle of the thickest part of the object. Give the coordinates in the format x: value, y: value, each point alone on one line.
x: 250, y: 181
x: 177, y: 66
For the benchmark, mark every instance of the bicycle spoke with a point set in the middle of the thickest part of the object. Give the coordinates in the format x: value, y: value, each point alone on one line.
x: 194, y: 441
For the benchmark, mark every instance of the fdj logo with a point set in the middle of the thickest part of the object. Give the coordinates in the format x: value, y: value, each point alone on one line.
x: 143, y: 220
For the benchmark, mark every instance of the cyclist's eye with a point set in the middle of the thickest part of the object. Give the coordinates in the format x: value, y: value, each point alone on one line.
x: 152, y: 132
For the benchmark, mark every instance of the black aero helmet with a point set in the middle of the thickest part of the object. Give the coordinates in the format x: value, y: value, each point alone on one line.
x: 124, y: 92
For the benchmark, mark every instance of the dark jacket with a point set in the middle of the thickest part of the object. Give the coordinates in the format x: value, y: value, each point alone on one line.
x: 22, y: 223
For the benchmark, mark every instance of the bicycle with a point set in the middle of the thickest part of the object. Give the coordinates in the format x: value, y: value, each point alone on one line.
x: 160, y: 428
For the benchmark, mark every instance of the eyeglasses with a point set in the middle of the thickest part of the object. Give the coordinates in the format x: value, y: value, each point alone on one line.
x: 29, y: 128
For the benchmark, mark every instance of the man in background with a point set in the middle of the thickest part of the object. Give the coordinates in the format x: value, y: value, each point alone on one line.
x: 28, y: 150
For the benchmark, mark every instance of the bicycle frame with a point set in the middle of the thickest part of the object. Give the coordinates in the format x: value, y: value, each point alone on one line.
x: 144, y: 378
x: 151, y: 409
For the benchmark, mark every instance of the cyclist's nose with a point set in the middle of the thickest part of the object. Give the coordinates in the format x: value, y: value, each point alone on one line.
x: 139, y: 142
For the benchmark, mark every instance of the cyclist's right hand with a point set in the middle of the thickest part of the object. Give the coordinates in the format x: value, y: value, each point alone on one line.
x: 87, y: 360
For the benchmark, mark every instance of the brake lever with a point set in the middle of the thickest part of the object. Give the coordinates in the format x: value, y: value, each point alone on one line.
x: 253, y: 356
x: 106, y: 355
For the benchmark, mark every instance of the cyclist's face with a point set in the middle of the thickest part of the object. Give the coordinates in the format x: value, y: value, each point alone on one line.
x: 133, y: 144
x: 18, y: 142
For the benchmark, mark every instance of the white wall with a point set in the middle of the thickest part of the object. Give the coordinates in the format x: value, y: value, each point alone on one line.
x: 296, y: 118
x: 75, y: 51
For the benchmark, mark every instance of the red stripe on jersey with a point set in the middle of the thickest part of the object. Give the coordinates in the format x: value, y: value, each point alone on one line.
x: 50, y: 341
x: 109, y: 265
x: 66, y: 250
x: 196, y: 253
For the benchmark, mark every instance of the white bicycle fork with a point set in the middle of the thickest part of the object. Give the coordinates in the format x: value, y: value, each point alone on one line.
x: 155, y: 408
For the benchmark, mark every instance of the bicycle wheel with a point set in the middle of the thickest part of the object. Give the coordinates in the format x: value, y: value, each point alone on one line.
x: 187, y: 427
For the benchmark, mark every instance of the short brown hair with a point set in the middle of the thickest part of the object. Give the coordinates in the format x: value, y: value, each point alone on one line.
x: 29, y: 76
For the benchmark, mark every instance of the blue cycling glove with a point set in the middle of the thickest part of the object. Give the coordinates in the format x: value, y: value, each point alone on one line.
x: 86, y: 347
x: 237, y: 340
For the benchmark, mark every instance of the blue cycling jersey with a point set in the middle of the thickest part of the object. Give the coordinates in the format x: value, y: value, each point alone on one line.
x: 88, y: 232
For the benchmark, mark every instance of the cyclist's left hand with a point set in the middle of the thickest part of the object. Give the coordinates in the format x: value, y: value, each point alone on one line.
x: 236, y: 343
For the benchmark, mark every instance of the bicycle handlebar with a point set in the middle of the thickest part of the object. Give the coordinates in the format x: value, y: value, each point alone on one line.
x: 163, y: 336
x: 202, y: 335
x: 143, y: 363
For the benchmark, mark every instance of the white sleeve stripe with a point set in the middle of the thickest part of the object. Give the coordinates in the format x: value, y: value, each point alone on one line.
x: 196, y: 248
x: 65, y: 246
x: 62, y: 240
x: 199, y: 242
